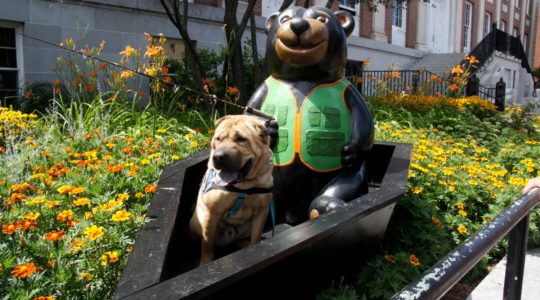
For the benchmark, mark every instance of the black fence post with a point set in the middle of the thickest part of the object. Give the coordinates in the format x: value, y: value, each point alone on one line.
x: 415, y: 79
x: 472, y: 86
x: 500, y: 94
x: 515, y: 262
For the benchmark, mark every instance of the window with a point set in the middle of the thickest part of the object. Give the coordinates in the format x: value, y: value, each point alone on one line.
x: 175, y: 49
x: 397, y: 16
x: 487, y: 23
x: 503, y: 26
x: 9, y: 71
x: 528, y: 7
x: 348, y: 5
x: 467, y: 28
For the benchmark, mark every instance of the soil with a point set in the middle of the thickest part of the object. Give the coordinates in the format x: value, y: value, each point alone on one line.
x: 459, y: 292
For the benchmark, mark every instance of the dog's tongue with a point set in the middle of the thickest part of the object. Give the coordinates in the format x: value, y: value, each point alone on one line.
x: 226, y: 177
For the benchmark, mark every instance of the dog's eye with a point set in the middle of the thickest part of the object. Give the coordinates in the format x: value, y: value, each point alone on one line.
x: 218, y: 138
x: 322, y: 19
x: 284, y: 19
x: 240, y: 139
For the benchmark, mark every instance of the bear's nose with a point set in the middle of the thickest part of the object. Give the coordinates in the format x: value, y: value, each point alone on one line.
x: 299, y: 25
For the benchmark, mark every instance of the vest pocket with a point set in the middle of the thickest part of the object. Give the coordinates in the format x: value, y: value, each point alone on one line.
x: 314, y: 116
x: 323, y: 143
x: 332, y: 119
x: 283, y: 140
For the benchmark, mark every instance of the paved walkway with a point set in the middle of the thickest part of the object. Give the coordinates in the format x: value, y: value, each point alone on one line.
x: 491, y: 288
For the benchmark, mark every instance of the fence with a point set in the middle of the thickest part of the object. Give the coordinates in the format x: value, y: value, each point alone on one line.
x: 446, y: 273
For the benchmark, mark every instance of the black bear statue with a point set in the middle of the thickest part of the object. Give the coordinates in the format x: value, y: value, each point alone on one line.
x: 324, y: 127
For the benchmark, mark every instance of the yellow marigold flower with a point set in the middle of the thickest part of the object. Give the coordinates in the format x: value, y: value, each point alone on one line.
x: 129, y: 51
x: 52, y: 203
x: 414, y: 260
x: 24, y: 270
x: 121, y: 215
x: 65, y: 189
x: 194, y: 144
x: 31, y: 216
x: 417, y: 190
x: 175, y: 157
x: 145, y: 161
x: 122, y: 197
x: 86, y: 276
x: 139, y: 195
x: 77, y: 190
x: 109, y: 257
x: 462, y: 229
x: 88, y: 215
x: 189, y: 136
x: 473, y: 182
x: 94, y: 232
x: 462, y: 213
x: 460, y: 205
x: 37, y: 176
x: 81, y: 201
x: 161, y: 130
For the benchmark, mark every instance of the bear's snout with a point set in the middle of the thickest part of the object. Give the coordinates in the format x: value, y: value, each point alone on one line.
x: 299, y: 25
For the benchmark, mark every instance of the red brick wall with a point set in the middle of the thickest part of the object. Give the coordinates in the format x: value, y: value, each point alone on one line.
x: 366, y: 22
x: 257, y: 10
x: 388, y: 22
x: 412, y: 23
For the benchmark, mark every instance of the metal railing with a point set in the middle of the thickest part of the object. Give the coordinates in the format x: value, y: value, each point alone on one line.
x: 446, y: 273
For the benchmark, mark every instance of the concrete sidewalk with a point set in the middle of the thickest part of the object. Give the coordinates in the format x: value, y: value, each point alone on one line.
x: 491, y: 288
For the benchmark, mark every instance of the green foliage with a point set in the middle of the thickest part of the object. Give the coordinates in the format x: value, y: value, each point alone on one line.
x: 39, y: 95
x: 466, y: 167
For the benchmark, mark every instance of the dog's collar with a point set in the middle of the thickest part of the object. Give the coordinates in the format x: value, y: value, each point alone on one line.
x: 250, y: 191
x: 210, y: 184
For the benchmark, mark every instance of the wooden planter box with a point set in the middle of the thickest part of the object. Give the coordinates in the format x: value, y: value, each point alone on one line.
x: 295, y: 263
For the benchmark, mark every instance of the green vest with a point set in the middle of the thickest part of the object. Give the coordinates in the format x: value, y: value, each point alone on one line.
x: 317, y: 131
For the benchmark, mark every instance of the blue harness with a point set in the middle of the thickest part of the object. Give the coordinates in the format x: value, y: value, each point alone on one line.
x: 208, y: 184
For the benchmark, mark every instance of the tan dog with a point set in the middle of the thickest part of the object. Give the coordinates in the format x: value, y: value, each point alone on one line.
x: 240, y: 163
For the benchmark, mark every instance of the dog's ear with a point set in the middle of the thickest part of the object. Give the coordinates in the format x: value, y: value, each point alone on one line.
x: 262, y: 131
x: 220, y: 120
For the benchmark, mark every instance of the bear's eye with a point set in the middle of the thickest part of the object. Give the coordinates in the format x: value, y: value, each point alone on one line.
x: 284, y: 19
x: 322, y: 19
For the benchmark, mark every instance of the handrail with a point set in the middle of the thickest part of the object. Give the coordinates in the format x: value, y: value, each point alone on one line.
x: 446, y: 273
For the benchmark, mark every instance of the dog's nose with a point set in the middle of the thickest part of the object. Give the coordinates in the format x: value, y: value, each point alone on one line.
x: 299, y: 25
x: 220, y: 157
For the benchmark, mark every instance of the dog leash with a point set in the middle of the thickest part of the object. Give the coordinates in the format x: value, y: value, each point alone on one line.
x: 176, y: 86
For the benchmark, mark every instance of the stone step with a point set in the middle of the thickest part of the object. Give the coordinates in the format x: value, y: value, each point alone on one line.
x: 491, y: 287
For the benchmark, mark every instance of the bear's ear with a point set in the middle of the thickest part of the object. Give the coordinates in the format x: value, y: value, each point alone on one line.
x: 270, y: 21
x: 346, y: 20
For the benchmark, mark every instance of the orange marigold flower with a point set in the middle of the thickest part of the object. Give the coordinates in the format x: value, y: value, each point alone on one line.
x: 10, y: 228
x: 65, y: 189
x: 102, y: 66
x: 57, y: 91
x: 109, y: 257
x: 77, y: 244
x: 414, y: 260
x: 81, y: 201
x: 164, y: 69
x: 21, y: 187
x: 54, y: 235
x: 115, y: 168
x: 24, y: 270
x: 89, y: 87
x: 45, y: 298
x: 453, y: 87
x: 65, y: 215
x: 151, y: 188
x: 56, y: 82
x: 77, y: 190
x: 29, y: 94
x: 27, y: 224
